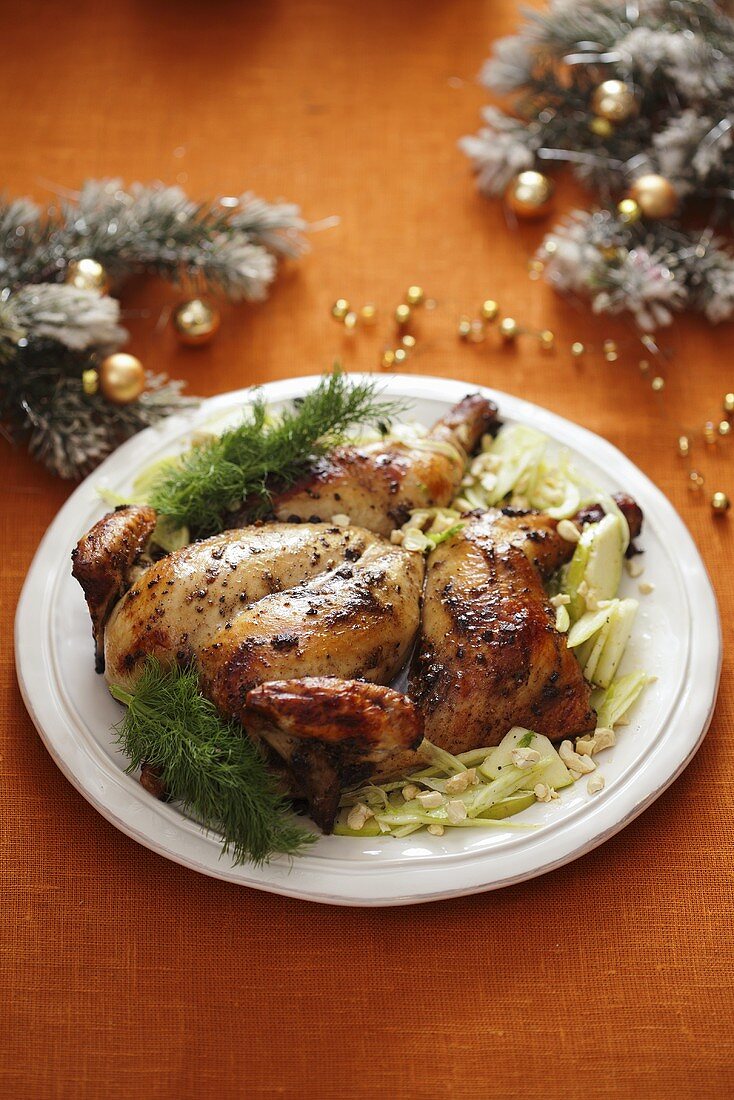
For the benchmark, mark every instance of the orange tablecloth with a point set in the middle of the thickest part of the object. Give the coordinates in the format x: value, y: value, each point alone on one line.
x: 125, y: 975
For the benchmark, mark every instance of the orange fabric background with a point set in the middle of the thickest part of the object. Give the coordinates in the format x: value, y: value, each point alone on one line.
x: 124, y: 975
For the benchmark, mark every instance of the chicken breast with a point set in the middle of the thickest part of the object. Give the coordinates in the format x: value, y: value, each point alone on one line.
x: 355, y: 622
x: 378, y: 485
x: 331, y: 733
x: 270, y: 602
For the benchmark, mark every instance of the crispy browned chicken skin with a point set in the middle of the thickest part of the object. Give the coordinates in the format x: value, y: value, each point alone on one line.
x: 103, y: 560
x: 331, y: 733
x: 379, y: 484
x: 489, y: 656
x: 271, y: 602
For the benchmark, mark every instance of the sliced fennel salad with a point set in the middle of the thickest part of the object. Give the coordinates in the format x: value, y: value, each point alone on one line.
x: 484, y: 787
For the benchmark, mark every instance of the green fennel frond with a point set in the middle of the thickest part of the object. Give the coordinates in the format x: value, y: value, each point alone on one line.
x: 206, y: 764
x: 245, y: 463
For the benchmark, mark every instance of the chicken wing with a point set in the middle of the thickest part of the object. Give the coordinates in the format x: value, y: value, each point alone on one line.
x: 331, y: 734
x: 379, y: 484
x: 103, y: 561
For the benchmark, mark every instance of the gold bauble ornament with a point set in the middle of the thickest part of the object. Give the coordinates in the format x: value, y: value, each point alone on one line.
x: 724, y: 427
x: 403, y: 314
x: 388, y: 359
x: 121, y: 378
x: 414, y: 295
x: 87, y: 274
x: 529, y: 195
x: 350, y: 321
x: 614, y: 101
x: 728, y: 402
x: 655, y: 196
x: 547, y: 339
x: 408, y: 341
x: 195, y: 321
x: 577, y: 349
x: 400, y: 355
x: 602, y: 127
x: 368, y: 314
x: 490, y: 309
x: 90, y: 382
x: 684, y: 446
x: 629, y: 212
x: 720, y: 503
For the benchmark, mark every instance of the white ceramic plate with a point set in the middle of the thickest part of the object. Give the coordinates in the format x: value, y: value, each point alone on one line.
x: 677, y: 638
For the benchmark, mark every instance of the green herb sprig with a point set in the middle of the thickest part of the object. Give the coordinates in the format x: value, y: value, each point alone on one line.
x: 245, y: 463
x: 206, y: 764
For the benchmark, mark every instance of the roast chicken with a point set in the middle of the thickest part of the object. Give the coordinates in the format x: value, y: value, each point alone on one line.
x: 378, y: 485
x: 298, y: 628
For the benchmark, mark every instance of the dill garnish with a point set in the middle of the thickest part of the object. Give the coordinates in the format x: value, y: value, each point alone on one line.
x: 206, y: 764
x: 245, y: 463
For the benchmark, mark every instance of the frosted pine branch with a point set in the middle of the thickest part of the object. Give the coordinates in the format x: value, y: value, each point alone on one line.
x: 156, y: 229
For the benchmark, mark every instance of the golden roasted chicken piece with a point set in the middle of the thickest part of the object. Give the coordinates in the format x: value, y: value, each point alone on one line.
x: 378, y: 485
x: 270, y: 602
x: 103, y: 563
x: 331, y: 734
x: 354, y: 622
x: 489, y: 655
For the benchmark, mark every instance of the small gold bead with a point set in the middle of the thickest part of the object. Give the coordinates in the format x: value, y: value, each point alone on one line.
x: 550, y: 247
x: 720, y: 503
x: 489, y: 309
x: 724, y: 427
x: 535, y: 268
x: 464, y: 328
x: 340, y: 309
x: 508, y: 328
x: 368, y: 313
x: 350, y: 321
x: 414, y: 295
x: 658, y: 383
x: 728, y: 402
x: 408, y: 341
x: 602, y: 127
x: 695, y: 481
x: 577, y: 349
x: 90, y: 382
x: 547, y: 339
x: 403, y: 314
x: 684, y: 446
x: 644, y: 365
x: 477, y: 331
x: 629, y: 212
x: 611, y: 356
x: 388, y: 359
x: 709, y: 431
x: 609, y: 345
x: 400, y: 355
